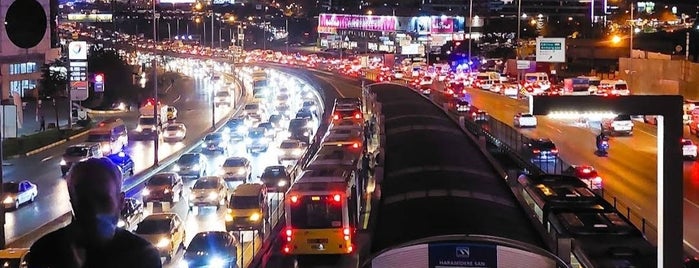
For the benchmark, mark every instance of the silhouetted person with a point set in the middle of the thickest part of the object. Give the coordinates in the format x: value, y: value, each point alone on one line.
x: 92, y: 238
x: 42, y: 123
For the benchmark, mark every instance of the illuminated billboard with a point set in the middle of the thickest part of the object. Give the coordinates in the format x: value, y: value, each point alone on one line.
x: 328, y: 22
x: 78, y: 17
x: 178, y: 1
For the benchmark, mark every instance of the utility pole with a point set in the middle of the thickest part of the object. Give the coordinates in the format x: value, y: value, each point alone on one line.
x: 287, y: 36
x: 213, y: 101
x: 470, y: 31
x: 631, y: 33
x: 156, y: 105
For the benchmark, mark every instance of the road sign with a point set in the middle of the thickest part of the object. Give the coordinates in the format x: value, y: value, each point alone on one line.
x: 523, y: 64
x: 77, y: 50
x: 82, y: 114
x: 78, y: 90
x: 99, y: 83
x: 550, y: 49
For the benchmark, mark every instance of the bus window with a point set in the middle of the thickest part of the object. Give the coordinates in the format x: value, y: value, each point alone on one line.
x: 316, y: 214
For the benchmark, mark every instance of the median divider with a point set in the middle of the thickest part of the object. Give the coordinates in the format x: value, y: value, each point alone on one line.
x: 27, y: 239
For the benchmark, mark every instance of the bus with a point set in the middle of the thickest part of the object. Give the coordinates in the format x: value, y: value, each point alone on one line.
x: 321, y: 213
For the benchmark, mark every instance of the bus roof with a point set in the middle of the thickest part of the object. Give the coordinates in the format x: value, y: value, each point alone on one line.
x: 315, y: 188
x: 325, y: 175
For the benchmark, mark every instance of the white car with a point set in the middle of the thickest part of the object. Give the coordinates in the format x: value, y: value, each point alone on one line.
x: 425, y: 81
x: 689, y: 149
x: 17, y: 193
x: 398, y: 75
x: 175, y: 132
x: 524, y: 120
x: 291, y: 150
x: 510, y: 91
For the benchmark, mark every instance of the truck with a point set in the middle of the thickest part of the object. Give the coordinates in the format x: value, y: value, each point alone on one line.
x: 148, y: 125
x: 576, y: 86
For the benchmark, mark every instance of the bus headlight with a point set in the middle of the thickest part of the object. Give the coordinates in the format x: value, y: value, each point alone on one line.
x: 297, y: 152
x: 176, y: 168
x: 8, y: 200
x: 63, y: 162
x: 255, y: 216
x: 241, y: 171
x: 139, y: 128
x: 281, y: 183
x: 163, y: 242
x: 216, y: 262
x: 203, y: 145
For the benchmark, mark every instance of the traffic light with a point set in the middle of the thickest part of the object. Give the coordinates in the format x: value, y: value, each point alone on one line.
x: 99, y: 78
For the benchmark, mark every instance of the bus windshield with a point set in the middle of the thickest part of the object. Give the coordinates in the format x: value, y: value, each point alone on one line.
x: 316, y: 213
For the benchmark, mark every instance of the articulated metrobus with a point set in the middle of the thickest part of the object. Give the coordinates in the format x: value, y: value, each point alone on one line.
x: 321, y: 213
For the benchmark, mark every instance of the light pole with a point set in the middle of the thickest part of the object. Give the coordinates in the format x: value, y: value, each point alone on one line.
x: 287, y: 35
x: 177, y: 27
x: 169, y: 36
x: 156, y: 139
x: 631, y: 33
x: 519, y: 26
x: 470, y: 30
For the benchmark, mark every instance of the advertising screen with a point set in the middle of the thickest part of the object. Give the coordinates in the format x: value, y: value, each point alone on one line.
x: 179, y: 1
x: 357, y: 22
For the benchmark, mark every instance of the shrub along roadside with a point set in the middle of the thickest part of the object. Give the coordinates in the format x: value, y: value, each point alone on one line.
x: 27, y: 143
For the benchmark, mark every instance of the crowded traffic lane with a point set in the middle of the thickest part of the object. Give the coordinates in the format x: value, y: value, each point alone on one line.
x: 43, y: 168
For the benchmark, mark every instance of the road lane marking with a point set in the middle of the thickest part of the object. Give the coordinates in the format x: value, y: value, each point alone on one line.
x: 46, y: 159
x: 554, y: 128
x: 690, y: 245
x: 177, y: 99
x: 332, y: 85
x: 651, y: 134
x: 692, y: 203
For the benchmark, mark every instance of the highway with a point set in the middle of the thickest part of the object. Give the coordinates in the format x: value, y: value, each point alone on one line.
x: 629, y: 172
x: 188, y: 95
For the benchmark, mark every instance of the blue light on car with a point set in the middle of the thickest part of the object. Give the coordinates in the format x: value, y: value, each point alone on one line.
x: 216, y: 262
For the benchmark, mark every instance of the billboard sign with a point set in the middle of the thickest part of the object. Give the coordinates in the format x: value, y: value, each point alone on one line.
x: 462, y: 255
x: 90, y: 17
x: 550, y: 49
x: 442, y: 24
x: 77, y: 50
x: 178, y: 2
x: 357, y: 22
x: 412, y: 49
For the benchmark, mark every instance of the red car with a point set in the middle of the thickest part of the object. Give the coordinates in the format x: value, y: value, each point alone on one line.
x: 587, y: 174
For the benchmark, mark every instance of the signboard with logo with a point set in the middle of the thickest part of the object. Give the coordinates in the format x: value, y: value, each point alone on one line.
x: 77, y: 50
x: 523, y: 64
x: 550, y: 49
x: 79, y: 17
x: 462, y: 255
x: 357, y: 22
x: 442, y: 24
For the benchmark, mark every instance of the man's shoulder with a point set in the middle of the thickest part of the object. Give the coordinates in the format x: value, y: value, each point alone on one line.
x: 51, y: 239
x: 128, y: 239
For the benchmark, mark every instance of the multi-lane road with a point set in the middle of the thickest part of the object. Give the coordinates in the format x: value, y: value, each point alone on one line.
x: 629, y: 172
x: 192, y: 100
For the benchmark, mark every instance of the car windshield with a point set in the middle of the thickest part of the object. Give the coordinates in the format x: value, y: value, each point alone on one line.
x: 252, y: 107
x: 223, y: 94
x: 256, y: 134
x: 303, y: 114
x: 266, y: 125
x: 297, y: 123
x: 206, y: 184
x: 173, y: 128
x: 623, y: 118
x: 275, y: 118
x: 188, y: 158
x: 159, y: 180
x: 234, y: 122
x: 288, y: 145
x: 282, y: 97
x: 234, y: 162
x: 99, y: 137
x: 147, y: 121
x: 308, y: 103
x: 527, y: 115
x: 159, y: 226
x: 546, y: 145
x: 276, y: 171
x: 244, y: 202
x: 77, y: 151
x: 687, y: 142
x: 213, y: 137
x: 208, y: 242
x: 10, y: 187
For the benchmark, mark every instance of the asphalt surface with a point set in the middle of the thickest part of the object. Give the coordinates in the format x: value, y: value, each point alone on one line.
x: 629, y: 171
x: 190, y: 98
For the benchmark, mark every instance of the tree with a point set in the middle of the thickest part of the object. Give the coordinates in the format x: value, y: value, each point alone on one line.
x: 54, y: 79
x: 118, y: 82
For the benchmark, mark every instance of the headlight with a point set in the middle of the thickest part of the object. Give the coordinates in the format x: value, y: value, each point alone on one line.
x: 8, y: 200
x: 63, y: 162
x: 145, y: 192
x: 203, y: 145
x: 228, y: 217
x: 163, y: 242
x: 196, y: 167
x: 121, y: 224
x: 255, y: 216
x: 139, y: 128
x: 297, y: 152
x: 281, y: 183
x: 216, y: 262
x: 192, y: 197
x: 213, y: 195
x: 241, y: 171
x: 176, y: 168
x: 166, y: 191
x: 305, y: 133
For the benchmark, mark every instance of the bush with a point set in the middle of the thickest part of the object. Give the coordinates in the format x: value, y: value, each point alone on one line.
x: 27, y: 143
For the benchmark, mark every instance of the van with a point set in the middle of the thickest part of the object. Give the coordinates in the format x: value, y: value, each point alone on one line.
x: 247, y: 208
x: 615, y: 87
x: 487, y: 80
x: 111, y: 134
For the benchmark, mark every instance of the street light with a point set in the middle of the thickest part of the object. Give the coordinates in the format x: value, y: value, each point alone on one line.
x: 156, y: 139
x: 616, y: 39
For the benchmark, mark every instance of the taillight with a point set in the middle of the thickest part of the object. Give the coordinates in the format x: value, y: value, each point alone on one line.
x: 286, y: 249
x: 294, y: 198
x: 597, y: 180
x: 337, y: 197
x: 536, y: 151
x: 555, y: 151
x: 346, y: 233
x: 336, y: 117
x: 355, y: 145
x: 358, y: 116
x: 288, y: 232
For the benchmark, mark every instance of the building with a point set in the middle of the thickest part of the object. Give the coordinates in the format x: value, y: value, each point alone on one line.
x: 20, y: 68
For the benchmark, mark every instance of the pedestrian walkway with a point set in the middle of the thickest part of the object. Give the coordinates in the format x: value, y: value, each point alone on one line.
x: 32, y: 111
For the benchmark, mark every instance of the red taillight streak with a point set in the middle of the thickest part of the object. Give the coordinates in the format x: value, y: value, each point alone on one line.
x: 536, y: 151
x: 555, y: 151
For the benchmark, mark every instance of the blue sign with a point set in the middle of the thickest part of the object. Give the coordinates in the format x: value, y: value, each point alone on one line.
x: 462, y: 255
x: 99, y: 86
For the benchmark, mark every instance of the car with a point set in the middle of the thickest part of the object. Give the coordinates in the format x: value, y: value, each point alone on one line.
x: 283, y: 110
x: 270, y: 130
x: 310, y: 106
x: 276, y: 121
x: 541, y: 150
x: 215, y: 142
x: 124, y: 162
x: 276, y: 178
x: 344, y: 113
x: 689, y: 149
x: 235, y: 128
x: 252, y: 108
x: 425, y: 80
x: 78, y: 153
x: 300, y: 129
x: 163, y: 187
x: 131, y: 214
x: 291, y: 150
x: 236, y: 169
x: 425, y: 89
x: 462, y: 106
x: 17, y: 193
x: 174, y: 132
x: 191, y: 165
x: 257, y: 140
x: 304, y: 114
x: 480, y: 116
x: 587, y: 174
x: 523, y: 120
x: 165, y: 231
x: 171, y: 113
x: 211, y: 249
x: 208, y: 191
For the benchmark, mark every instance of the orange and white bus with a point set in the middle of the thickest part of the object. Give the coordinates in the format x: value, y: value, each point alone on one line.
x: 321, y: 213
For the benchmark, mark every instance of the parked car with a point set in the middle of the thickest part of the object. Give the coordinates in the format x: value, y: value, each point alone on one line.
x: 17, y: 193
